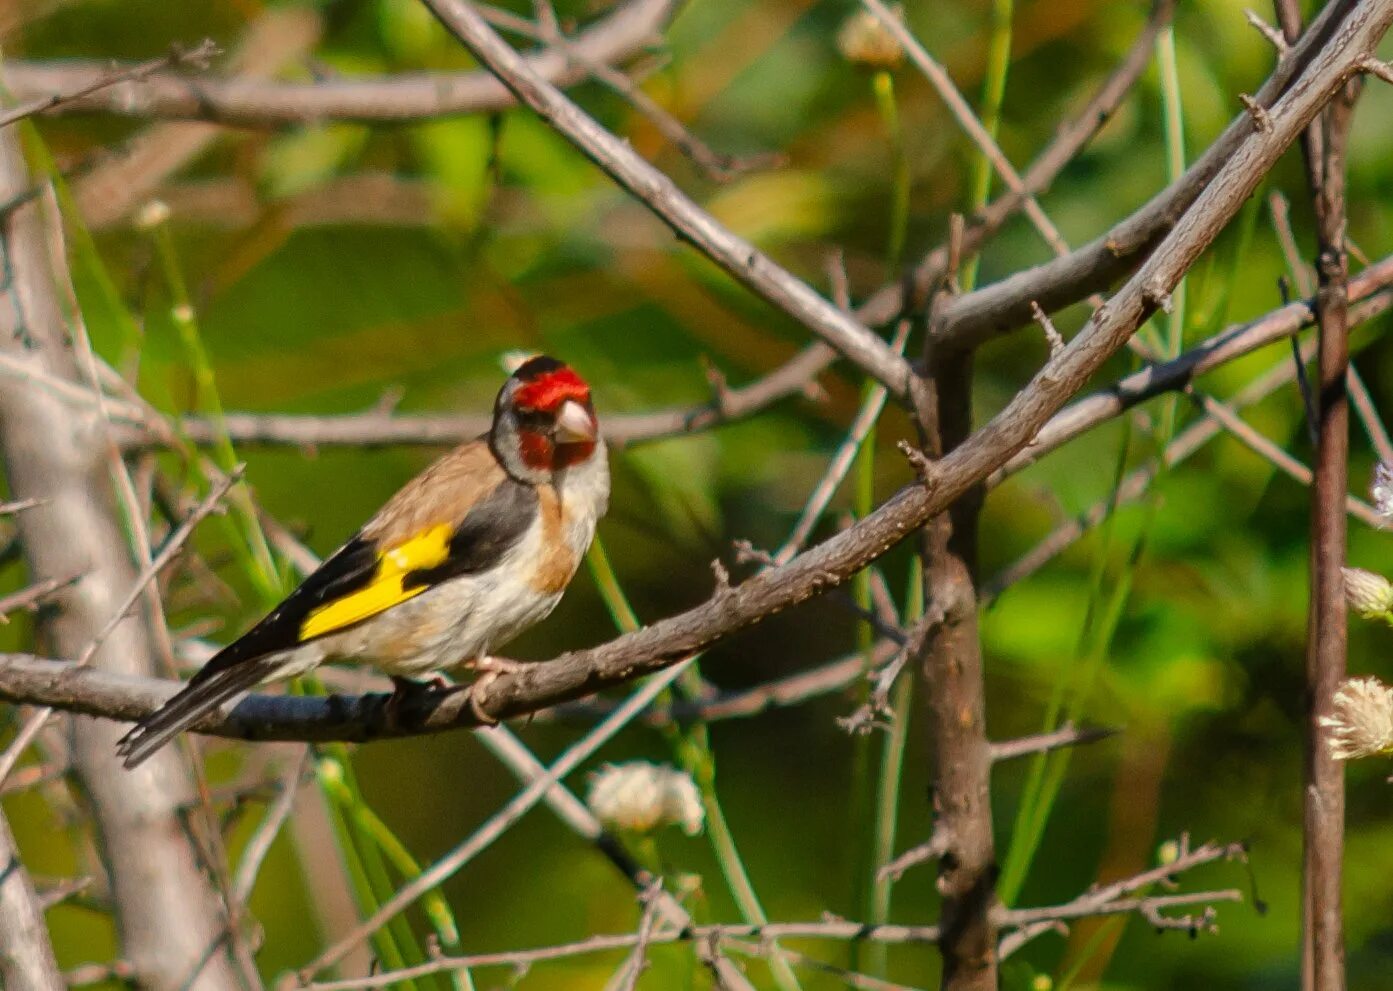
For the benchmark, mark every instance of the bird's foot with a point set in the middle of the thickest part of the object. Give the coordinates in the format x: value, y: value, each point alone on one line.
x: 489, y: 669
x: 405, y: 689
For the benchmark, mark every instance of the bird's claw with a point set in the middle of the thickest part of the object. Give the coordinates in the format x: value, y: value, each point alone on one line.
x: 489, y: 669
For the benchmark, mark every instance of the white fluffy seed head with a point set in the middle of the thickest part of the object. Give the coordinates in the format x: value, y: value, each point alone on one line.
x: 511, y: 361
x: 1362, y: 722
x: 1368, y: 593
x: 1382, y: 490
x: 639, y: 797
x: 864, y: 40
x: 152, y: 214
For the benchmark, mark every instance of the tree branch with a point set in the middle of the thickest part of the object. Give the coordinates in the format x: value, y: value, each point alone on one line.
x: 661, y: 195
x: 254, y: 103
x: 1323, y: 149
x: 27, y: 962
x: 811, y: 573
x: 974, y: 317
x: 166, y: 909
x: 1071, y: 138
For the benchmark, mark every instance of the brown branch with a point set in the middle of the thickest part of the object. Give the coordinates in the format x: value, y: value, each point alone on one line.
x: 414, y: 96
x: 1152, y: 908
x: 796, y: 377
x: 1096, y: 898
x: 1067, y: 735
x: 1186, y: 443
x: 835, y: 929
x: 947, y: 652
x: 741, y: 259
x: 1134, y: 485
x: 1373, y: 288
x: 1323, y: 149
x: 21, y: 681
x: 811, y: 573
x: 31, y: 598
x: 1109, y: 900
x: 195, y: 58
x: 1071, y: 138
x: 974, y: 317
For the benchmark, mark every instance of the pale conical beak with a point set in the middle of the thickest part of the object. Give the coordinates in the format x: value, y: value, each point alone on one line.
x: 574, y: 424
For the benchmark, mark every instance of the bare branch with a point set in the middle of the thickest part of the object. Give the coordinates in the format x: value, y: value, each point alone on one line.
x: 1371, y: 288
x: 1275, y: 37
x: 31, y: 598
x: 628, y: 30
x: 660, y: 194
x: 967, y: 120
x: 167, y: 909
x: 1066, y: 736
x: 28, y: 679
x: 195, y: 58
x: 1072, y: 136
x: 125, y: 178
x: 27, y: 962
x: 796, y: 377
x: 972, y: 318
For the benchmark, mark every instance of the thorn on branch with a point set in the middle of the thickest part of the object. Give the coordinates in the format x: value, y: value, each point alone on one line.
x: 720, y: 387
x: 199, y: 57
x: 723, y: 586
x: 748, y: 553
x: 1052, y: 335
x: 1258, y: 112
x: 1275, y: 37
x: 922, y: 464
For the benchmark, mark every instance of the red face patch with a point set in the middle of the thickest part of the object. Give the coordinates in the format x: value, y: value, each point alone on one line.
x: 538, y: 451
x: 548, y: 391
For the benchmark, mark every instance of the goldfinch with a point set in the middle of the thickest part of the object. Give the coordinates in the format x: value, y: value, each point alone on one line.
x: 467, y: 555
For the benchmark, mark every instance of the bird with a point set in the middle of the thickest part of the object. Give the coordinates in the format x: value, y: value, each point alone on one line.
x: 472, y: 551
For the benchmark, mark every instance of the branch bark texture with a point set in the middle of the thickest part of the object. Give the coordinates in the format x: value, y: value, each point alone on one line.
x: 1324, y: 146
x: 950, y: 659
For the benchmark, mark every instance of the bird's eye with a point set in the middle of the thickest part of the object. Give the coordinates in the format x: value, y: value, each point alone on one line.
x: 535, y: 420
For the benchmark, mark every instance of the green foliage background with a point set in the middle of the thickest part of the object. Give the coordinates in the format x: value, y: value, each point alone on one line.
x: 525, y: 245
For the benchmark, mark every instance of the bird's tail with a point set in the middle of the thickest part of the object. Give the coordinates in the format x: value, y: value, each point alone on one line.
x: 199, y: 697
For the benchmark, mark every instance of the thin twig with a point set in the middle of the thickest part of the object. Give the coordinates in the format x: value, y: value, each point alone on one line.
x: 627, y: 29
x: 31, y: 598
x: 196, y: 57
x: 660, y: 194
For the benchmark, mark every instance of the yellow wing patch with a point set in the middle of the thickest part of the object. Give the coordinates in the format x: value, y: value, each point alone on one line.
x: 387, y: 588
